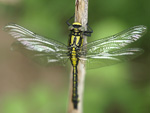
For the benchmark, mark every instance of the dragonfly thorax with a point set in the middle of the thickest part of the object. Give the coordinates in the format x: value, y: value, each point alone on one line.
x: 76, y: 38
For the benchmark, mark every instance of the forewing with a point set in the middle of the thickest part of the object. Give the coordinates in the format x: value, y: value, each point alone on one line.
x: 38, y: 48
x: 115, y: 42
x: 112, y: 49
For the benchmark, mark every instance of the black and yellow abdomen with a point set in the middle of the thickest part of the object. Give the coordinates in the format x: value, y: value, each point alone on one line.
x: 74, y: 61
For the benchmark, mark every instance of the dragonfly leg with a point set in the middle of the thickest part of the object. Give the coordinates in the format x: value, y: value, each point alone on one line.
x: 89, y: 31
x: 67, y: 22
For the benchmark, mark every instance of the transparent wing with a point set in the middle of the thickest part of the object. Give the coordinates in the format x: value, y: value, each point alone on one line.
x: 114, y: 57
x: 40, y: 49
x: 112, y: 49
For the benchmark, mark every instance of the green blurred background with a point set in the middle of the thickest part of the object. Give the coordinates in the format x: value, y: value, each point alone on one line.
x: 26, y: 87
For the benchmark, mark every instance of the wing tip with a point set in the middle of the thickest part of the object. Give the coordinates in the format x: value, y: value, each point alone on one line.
x: 8, y: 26
x: 143, y: 27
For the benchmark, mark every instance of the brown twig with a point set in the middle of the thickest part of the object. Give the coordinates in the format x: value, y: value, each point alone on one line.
x: 81, y: 15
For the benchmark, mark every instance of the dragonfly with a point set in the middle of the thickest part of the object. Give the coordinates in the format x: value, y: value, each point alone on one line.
x: 103, y: 52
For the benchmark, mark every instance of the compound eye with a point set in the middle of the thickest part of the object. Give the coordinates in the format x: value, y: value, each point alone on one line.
x: 70, y: 27
x: 81, y: 29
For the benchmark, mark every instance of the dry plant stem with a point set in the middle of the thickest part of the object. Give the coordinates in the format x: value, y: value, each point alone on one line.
x: 81, y: 15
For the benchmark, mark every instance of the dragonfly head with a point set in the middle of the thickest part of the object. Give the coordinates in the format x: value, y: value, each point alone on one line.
x: 76, y: 25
